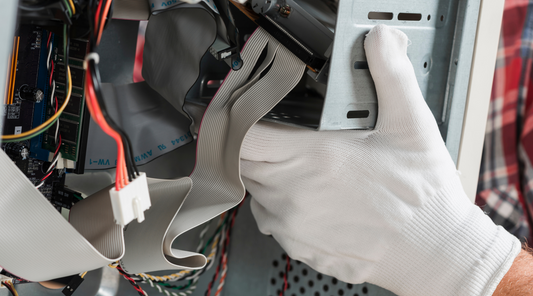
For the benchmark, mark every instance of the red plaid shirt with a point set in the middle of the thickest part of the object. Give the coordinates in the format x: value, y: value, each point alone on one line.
x: 505, y: 189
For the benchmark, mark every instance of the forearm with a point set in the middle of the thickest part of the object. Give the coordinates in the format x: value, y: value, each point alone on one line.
x: 519, y: 278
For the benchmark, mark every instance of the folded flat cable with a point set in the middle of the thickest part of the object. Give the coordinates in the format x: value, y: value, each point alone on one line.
x: 215, y: 185
x: 92, y: 239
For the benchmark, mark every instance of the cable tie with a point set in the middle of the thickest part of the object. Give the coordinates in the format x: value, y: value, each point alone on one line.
x: 91, y: 56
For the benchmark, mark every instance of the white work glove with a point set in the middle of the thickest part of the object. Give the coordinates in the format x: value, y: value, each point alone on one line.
x: 384, y: 206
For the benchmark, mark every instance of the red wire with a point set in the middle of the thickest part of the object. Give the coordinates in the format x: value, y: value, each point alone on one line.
x: 102, y: 20
x: 97, y: 115
x: 58, y: 146
x: 96, y: 15
x: 49, y: 37
x: 223, y: 260
x: 55, y: 153
x: 52, y: 72
x: 132, y: 281
x: 223, y: 278
x: 47, y: 175
x: 285, y: 283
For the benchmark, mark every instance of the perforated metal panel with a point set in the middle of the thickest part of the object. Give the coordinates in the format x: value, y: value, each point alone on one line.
x: 441, y: 34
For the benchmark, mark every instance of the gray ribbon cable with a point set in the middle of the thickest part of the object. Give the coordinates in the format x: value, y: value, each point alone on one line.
x: 38, y: 244
x: 153, y: 126
x: 216, y: 181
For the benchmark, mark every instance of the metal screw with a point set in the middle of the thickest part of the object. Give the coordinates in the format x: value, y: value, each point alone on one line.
x: 285, y: 11
x: 24, y: 153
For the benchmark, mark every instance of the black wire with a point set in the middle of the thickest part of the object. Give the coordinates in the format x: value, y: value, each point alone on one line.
x: 128, y: 150
x: 112, y: 124
x: 9, y: 288
x: 125, y: 140
x: 130, y: 280
x: 225, y: 249
x: 91, y: 13
x: 109, y: 15
x: 95, y: 75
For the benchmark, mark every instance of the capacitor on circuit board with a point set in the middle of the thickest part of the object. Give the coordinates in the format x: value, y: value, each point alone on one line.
x: 31, y: 94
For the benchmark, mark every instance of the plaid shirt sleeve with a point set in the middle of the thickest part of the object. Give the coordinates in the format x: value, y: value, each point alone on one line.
x: 505, y: 188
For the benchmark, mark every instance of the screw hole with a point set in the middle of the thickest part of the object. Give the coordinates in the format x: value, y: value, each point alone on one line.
x: 365, y: 290
x: 311, y: 283
x: 425, y: 65
x: 326, y: 288
x: 275, y: 263
x: 273, y: 281
x: 442, y: 18
x: 429, y: 17
x: 296, y: 278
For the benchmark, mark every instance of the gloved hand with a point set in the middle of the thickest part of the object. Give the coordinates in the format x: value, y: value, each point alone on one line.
x: 384, y: 206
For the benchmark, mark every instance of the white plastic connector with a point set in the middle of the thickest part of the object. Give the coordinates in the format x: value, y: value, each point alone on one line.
x: 4, y: 278
x: 131, y: 201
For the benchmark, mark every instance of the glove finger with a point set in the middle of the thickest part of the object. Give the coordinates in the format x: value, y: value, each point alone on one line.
x: 272, y: 142
x: 400, y: 101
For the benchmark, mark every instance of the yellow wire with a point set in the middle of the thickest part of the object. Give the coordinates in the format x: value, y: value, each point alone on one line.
x: 83, y: 274
x: 50, y: 120
x: 12, y: 287
x: 73, y: 7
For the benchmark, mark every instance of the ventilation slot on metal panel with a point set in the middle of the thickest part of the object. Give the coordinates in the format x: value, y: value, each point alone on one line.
x: 360, y: 65
x: 358, y: 114
x: 377, y: 15
x: 409, y: 16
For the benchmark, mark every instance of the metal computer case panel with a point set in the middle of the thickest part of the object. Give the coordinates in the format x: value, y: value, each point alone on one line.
x: 441, y: 34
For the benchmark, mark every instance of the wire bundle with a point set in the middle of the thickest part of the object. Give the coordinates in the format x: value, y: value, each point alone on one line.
x: 126, y: 169
x: 54, y: 102
x: 10, y: 287
x: 215, y: 241
x: 132, y: 281
x: 219, y: 243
